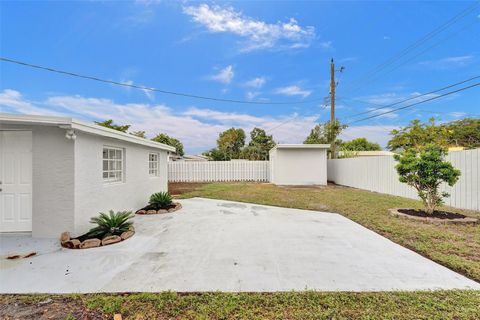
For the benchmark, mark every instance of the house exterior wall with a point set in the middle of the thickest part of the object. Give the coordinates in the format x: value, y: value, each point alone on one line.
x: 93, y: 195
x: 52, y: 180
x: 298, y: 166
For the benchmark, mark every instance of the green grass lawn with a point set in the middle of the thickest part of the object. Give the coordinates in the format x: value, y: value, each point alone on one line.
x: 454, y: 246
x: 300, y: 305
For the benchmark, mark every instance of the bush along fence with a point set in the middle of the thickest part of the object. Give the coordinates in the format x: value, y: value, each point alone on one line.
x: 211, y: 171
x: 378, y: 174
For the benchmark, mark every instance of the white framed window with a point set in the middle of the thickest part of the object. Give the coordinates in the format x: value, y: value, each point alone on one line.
x: 113, y: 166
x: 153, y: 164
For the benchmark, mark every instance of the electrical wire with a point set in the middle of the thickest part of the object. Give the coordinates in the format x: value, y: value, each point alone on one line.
x: 363, y: 80
x: 415, y: 97
x: 416, y: 103
x: 182, y: 94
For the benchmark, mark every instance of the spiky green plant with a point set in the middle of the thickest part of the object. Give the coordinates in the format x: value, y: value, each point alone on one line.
x: 160, y: 200
x: 111, y: 224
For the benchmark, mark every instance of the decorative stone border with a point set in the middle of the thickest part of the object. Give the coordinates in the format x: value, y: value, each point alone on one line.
x: 144, y: 211
x: 466, y: 220
x: 74, y: 243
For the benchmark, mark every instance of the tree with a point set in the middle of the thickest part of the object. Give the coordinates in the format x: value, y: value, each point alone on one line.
x: 109, y: 124
x: 259, y: 146
x: 417, y: 135
x: 215, y: 155
x: 165, y: 139
x: 230, y: 144
x: 140, y: 134
x: 464, y: 133
x: 425, y: 169
x: 326, y: 133
x: 360, y: 144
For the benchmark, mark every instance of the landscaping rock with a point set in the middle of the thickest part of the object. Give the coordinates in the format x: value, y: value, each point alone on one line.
x: 65, y: 236
x: 177, y: 207
x: 162, y: 211
x: 90, y: 243
x: 131, y: 228
x: 151, y: 211
x: 141, y: 212
x: 71, y: 244
x: 127, y: 234
x: 110, y: 240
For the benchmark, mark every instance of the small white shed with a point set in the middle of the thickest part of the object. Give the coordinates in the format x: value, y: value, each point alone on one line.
x: 299, y: 164
x: 56, y: 173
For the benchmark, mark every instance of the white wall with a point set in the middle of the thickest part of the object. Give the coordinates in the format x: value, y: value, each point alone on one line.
x: 296, y: 166
x: 52, y: 180
x: 209, y: 171
x: 92, y: 195
x: 378, y: 174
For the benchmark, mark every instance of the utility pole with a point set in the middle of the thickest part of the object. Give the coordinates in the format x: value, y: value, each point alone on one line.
x: 332, y: 109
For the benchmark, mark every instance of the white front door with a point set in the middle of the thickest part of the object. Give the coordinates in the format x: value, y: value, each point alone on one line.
x: 15, y: 181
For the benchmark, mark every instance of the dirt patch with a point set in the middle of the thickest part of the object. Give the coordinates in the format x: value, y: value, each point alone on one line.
x: 437, y: 216
x: 49, y: 309
x: 177, y: 188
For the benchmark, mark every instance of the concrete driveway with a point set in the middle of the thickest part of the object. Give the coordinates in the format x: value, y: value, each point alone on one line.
x: 213, y: 245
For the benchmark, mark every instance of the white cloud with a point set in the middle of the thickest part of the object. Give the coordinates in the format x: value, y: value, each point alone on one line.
x: 256, y: 82
x: 375, y: 133
x: 257, y: 34
x: 12, y: 100
x: 449, y: 62
x: 252, y: 95
x: 197, y: 128
x: 230, y: 117
x: 293, y: 91
x: 224, y: 76
x: 326, y: 45
x: 148, y: 93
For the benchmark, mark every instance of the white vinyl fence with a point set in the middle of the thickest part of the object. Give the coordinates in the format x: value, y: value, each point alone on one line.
x: 378, y: 174
x: 209, y: 171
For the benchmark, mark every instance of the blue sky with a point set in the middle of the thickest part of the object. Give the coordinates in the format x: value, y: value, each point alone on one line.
x: 256, y: 51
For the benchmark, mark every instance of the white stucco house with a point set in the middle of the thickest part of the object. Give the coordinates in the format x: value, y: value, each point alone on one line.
x: 56, y: 173
x: 299, y: 164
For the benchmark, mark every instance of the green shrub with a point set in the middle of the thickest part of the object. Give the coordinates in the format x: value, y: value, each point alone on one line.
x: 425, y: 169
x: 160, y: 200
x: 114, y: 223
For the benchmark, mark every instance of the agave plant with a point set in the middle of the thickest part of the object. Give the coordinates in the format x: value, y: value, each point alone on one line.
x: 111, y: 224
x: 160, y: 200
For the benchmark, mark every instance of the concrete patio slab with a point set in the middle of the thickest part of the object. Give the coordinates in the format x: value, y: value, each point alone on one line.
x: 213, y: 245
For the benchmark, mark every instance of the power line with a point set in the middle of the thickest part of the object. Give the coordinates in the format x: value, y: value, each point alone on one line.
x: 421, y: 52
x: 416, y: 97
x: 363, y: 80
x: 188, y: 95
x: 416, y: 103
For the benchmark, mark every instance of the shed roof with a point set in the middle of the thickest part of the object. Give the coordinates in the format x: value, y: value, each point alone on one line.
x: 301, y: 146
x: 70, y: 123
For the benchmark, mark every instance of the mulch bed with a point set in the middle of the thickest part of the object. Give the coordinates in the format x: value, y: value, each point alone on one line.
x: 150, y: 209
x: 436, y: 216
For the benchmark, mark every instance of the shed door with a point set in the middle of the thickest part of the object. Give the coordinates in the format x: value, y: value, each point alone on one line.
x: 15, y: 181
